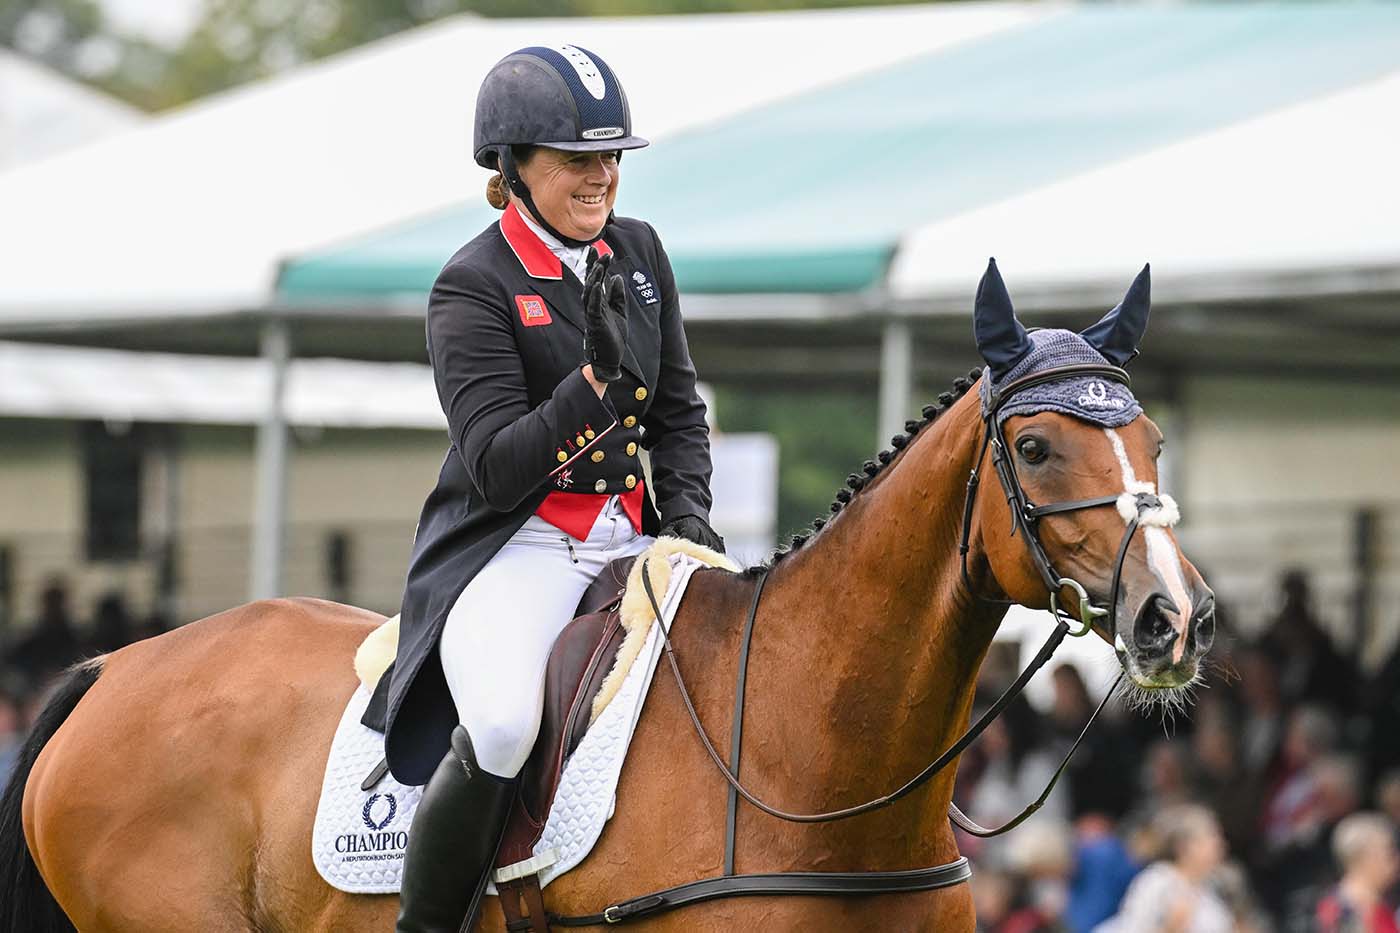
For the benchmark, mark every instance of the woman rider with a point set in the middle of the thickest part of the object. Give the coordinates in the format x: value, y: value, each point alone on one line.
x: 557, y: 347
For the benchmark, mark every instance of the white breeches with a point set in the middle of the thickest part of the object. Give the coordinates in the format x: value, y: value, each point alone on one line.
x: 497, y: 638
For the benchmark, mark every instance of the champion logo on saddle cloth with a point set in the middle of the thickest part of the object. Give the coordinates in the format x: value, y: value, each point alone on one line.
x: 359, y: 838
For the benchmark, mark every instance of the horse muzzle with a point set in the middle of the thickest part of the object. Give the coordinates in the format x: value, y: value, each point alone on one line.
x: 1162, y: 651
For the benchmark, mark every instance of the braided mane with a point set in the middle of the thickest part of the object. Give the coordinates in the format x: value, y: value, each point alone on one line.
x: 855, y: 482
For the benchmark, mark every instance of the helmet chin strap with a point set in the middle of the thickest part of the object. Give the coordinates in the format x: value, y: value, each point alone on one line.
x: 506, y: 160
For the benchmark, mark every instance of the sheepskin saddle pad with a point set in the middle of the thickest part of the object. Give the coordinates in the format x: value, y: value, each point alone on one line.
x: 593, y: 697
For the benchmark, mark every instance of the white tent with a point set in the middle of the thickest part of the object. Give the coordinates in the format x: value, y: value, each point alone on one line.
x: 39, y: 381
x: 1303, y: 200
x: 193, y: 213
x: 43, y: 113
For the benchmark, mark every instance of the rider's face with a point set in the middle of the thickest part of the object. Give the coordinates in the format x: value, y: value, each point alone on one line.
x: 573, y: 190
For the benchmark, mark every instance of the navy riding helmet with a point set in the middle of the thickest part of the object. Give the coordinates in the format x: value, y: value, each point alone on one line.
x: 563, y: 97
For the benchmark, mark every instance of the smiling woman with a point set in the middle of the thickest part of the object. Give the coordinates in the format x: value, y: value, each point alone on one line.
x: 558, y: 351
x: 573, y: 191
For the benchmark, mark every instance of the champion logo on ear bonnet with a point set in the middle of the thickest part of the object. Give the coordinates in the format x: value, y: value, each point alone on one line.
x: 1089, y: 398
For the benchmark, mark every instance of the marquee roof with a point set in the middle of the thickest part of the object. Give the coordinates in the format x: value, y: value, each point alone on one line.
x: 194, y: 213
x: 1220, y: 139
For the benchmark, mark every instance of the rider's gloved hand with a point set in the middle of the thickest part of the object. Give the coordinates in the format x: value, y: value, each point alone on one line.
x: 605, y: 317
x: 693, y: 528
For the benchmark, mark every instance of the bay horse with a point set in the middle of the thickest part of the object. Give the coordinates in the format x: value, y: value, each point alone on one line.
x: 172, y: 785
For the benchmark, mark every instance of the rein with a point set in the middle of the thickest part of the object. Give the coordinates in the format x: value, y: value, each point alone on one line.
x: 1025, y: 516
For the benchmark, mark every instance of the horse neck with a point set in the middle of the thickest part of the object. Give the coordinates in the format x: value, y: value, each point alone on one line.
x: 885, y: 639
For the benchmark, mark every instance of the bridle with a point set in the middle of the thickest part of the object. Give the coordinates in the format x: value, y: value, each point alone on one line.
x: 1025, y: 515
x: 1025, y: 518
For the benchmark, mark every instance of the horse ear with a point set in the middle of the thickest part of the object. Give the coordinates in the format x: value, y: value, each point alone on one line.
x: 1001, y: 339
x: 1117, y: 335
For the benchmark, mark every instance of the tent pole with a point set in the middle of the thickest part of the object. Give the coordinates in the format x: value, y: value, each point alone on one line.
x: 896, y: 378
x: 270, y: 504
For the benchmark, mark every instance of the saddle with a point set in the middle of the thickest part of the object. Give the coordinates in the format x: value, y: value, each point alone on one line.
x: 579, y: 664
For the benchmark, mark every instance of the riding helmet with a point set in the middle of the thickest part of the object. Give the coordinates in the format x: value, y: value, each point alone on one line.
x: 563, y: 97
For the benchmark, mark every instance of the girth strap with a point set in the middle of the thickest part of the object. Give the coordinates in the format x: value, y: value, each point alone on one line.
x: 789, y: 883
x: 737, y: 743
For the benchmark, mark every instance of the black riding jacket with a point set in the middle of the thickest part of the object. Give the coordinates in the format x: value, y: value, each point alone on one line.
x: 505, y: 339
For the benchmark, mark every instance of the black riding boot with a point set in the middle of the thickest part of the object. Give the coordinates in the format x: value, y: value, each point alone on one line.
x: 453, y: 843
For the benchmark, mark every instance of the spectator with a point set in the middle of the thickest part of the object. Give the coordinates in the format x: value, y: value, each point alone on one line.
x: 11, y: 734
x: 52, y: 644
x: 1388, y: 796
x: 1295, y: 875
x: 1165, y: 778
x: 154, y: 624
x: 1261, y: 732
x: 1043, y: 859
x: 1364, y: 846
x: 992, y: 894
x: 1103, y: 869
x: 1174, y: 895
x: 1095, y: 773
x: 1311, y: 669
x: 1380, y: 708
x: 1011, y: 773
x: 112, y: 627
x: 1221, y: 782
x: 1288, y: 806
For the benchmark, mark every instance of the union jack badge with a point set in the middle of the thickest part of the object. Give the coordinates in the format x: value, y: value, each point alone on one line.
x: 533, y: 312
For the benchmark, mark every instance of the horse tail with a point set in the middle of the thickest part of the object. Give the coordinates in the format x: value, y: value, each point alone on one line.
x: 25, y: 901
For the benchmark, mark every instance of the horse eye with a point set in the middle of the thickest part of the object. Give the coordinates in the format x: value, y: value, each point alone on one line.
x: 1032, y: 449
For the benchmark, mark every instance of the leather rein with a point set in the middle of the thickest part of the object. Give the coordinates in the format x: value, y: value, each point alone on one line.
x: 1025, y: 518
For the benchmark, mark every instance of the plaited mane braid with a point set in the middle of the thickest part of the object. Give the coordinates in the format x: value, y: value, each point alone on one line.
x: 855, y: 482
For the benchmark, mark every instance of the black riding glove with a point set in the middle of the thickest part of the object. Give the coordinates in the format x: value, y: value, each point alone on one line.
x: 693, y: 528
x: 605, y: 317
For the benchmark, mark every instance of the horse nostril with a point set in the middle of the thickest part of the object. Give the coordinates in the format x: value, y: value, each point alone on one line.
x: 1153, y: 631
x: 1202, y: 630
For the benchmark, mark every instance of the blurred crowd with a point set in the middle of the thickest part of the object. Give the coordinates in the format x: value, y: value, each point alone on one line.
x: 57, y: 638
x: 1271, y: 805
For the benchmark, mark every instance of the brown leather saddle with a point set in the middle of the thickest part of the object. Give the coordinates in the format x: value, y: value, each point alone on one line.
x: 579, y: 662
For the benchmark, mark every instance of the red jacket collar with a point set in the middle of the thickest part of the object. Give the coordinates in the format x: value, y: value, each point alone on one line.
x: 532, y: 252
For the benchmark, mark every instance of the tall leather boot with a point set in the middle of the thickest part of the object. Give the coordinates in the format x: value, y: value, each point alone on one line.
x: 452, y: 844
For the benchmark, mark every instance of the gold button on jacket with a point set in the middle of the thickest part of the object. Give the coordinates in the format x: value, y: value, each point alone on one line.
x: 597, y: 456
x: 631, y: 448
x: 579, y: 440
x: 630, y: 421
x: 631, y: 481
x: 561, y: 456
x: 641, y: 393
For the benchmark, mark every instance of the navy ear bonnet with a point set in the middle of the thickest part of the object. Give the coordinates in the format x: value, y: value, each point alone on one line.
x: 1088, y: 398
x: 1012, y: 352
x: 564, y: 97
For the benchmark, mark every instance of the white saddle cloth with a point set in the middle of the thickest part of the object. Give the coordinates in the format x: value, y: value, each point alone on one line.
x: 360, y: 836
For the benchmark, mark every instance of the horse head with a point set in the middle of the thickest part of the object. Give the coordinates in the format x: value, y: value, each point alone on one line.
x: 1082, y: 524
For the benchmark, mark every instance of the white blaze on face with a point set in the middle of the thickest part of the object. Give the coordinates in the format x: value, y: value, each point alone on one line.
x: 1162, y: 555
